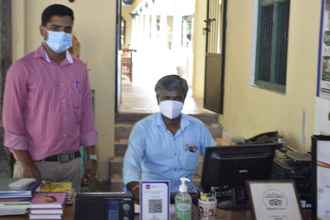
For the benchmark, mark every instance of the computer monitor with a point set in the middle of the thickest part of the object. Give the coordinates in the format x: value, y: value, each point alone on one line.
x: 232, y: 166
x: 104, y: 206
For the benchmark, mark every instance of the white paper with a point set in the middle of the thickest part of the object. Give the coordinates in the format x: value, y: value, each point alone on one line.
x: 322, y: 123
x: 155, y: 201
x: 324, y: 89
x: 137, y: 209
x: 323, y: 151
x: 275, y: 201
x: 323, y: 180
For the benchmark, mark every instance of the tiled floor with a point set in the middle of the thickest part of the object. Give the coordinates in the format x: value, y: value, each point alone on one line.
x: 142, y: 99
x: 148, y: 67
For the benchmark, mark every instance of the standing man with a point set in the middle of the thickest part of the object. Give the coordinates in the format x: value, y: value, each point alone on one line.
x: 47, y: 109
x: 166, y: 145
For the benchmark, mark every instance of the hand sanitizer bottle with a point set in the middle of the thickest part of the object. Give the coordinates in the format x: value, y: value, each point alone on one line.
x: 183, y: 207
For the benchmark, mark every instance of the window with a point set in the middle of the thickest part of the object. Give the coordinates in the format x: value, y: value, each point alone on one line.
x: 186, y: 31
x: 272, y: 44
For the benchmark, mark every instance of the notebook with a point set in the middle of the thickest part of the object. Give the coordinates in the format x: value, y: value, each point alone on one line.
x: 48, y: 200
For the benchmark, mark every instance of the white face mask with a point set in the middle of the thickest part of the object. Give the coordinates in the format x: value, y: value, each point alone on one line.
x: 170, y: 109
x: 59, y: 42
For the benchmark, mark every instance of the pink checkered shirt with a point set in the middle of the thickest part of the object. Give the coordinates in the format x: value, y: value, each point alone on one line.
x: 47, y: 106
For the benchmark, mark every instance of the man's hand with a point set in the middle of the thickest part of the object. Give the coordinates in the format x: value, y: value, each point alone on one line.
x: 29, y: 168
x: 134, y: 187
x: 323, y: 164
x: 31, y: 171
x: 90, y: 170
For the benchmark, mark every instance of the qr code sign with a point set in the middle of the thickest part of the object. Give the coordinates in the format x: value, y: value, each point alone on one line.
x: 155, y: 206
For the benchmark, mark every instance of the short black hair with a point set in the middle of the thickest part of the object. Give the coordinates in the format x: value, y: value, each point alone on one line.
x: 55, y: 10
x: 172, y: 83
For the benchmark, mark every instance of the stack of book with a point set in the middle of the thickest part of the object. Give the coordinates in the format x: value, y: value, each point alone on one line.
x: 58, y: 187
x: 14, y: 202
x: 47, y: 206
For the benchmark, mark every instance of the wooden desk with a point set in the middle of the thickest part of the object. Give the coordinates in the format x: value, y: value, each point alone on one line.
x: 68, y: 215
x: 221, y: 215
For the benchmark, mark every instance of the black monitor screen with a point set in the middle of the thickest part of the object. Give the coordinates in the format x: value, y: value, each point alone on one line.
x: 104, y: 206
x: 232, y: 165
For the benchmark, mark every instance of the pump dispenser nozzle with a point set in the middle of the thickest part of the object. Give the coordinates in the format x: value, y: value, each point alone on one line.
x: 183, y: 187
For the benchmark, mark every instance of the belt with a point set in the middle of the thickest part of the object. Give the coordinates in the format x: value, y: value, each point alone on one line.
x: 66, y: 157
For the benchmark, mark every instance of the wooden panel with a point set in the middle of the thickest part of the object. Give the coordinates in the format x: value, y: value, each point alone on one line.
x: 213, y: 79
x: 117, y: 58
x: 6, y: 161
x: 5, y: 42
x: 264, y: 50
x: 214, y: 36
x: 215, y: 55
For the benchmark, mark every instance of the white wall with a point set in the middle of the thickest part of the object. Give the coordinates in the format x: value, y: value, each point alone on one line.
x: 199, y: 41
x: 249, y: 110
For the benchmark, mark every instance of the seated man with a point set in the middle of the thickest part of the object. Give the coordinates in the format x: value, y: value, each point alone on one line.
x: 165, y: 145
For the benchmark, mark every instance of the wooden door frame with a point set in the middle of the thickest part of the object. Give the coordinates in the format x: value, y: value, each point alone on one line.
x: 5, y: 62
x: 223, y: 51
x: 118, y: 47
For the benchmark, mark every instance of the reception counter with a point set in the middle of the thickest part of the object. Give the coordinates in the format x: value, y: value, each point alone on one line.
x: 221, y: 215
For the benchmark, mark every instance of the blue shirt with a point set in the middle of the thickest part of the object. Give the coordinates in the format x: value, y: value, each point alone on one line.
x: 154, y: 153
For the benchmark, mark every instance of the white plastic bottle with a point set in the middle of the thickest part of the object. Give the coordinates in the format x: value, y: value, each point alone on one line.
x: 183, y: 204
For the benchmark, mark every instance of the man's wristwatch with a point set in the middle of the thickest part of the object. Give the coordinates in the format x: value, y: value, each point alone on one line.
x: 92, y: 157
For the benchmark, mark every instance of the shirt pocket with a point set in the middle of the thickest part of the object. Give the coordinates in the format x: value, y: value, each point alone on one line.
x: 190, y: 160
x: 76, y: 102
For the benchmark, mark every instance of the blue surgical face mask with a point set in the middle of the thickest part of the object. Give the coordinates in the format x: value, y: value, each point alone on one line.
x: 59, y: 42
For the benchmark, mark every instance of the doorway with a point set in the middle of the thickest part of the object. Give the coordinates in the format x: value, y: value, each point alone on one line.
x: 215, y: 54
x: 155, y: 40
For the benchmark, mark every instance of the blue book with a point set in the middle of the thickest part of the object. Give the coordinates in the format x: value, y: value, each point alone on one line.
x: 33, y: 186
x: 15, y: 194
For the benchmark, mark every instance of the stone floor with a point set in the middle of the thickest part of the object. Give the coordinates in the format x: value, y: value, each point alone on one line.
x: 139, y: 98
x: 149, y: 65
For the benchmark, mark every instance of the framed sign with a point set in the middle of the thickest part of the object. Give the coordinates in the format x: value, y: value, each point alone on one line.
x: 274, y: 200
x: 155, y: 200
x: 321, y: 167
x: 323, y: 82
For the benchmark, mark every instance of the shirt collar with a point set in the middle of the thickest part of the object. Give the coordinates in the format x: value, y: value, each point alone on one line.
x: 41, y: 53
x: 185, y: 122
